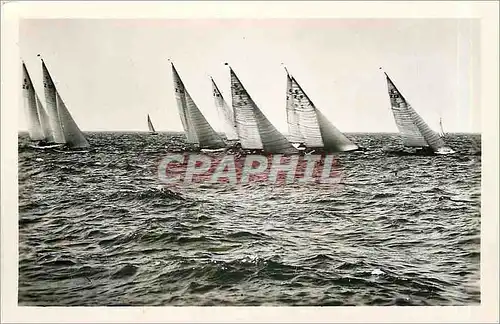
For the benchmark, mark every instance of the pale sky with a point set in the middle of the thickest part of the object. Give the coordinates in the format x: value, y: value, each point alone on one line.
x: 111, y: 73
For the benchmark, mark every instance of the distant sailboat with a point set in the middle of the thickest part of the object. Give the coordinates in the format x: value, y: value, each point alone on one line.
x: 413, y: 129
x: 255, y: 131
x: 37, y: 120
x: 151, y: 127
x: 64, y: 129
x: 308, y: 125
x: 225, y: 113
x: 198, y: 130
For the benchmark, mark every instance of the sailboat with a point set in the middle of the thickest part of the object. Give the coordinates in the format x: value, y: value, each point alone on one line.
x: 307, y: 125
x: 255, y: 131
x: 36, y: 116
x: 151, y: 127
x: 441, y: 131
x: 198, y: 131
x: 64, y: 129
x: 225, y: 113
x: 413, y: 129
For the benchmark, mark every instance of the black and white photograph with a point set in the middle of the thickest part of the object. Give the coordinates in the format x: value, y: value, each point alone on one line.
x: 248, y: 161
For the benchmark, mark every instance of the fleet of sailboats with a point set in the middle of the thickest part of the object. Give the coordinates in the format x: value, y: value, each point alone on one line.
x: 244, y: 122
x: 54, y: 127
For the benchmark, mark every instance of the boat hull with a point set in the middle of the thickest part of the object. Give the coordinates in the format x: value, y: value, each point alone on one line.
x: 444, y: 151
x: 46, y: 147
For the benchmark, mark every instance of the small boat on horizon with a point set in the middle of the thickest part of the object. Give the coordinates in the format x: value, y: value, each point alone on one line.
x: 151, y: 127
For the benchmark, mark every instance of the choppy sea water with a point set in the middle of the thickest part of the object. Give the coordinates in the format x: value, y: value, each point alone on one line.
x: 96, y: 228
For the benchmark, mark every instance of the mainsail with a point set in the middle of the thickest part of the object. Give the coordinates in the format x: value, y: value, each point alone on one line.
x: 197, y: 128
x: 36, y: 117
x: 64, y: 128
x: 150, y: 125
x: 414, y: 131
x: 317, y: 131
x: 255, y: 131
x: 292, y: 117
x: 225, y: 113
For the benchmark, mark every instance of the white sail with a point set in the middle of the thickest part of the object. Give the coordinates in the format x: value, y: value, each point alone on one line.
x: 72, y: 134
x: 225, y: 113
x: 307, y: 118
x: 317, y: 130
x: 44, y: 121
x: 150, y: 125
x: 197, y: 128
x: 441, y: 131
x: 207, y: 137
x: 414, y: 131
x: 51, y: 105
x: 333, y: 139
x: 254, y: 129
x: 292, y: 117
x: 182, y: 106
x: 404, y: 120
x: 31, y: 108
x: 64, y: 128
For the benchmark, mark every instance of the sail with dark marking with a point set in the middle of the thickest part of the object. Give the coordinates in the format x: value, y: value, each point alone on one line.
x: 225, y: 113
x: 316, y: 129
x: 292, y: 117
x: 51, y: 105
x: 182, y: 106
x: 197, y: 128
x: 35, y: 113
x: 413, y: 129
x: 255, y: 131
x: 64, y: 128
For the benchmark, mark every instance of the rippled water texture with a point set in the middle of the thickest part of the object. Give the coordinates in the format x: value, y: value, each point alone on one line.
x: 97, y: 229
